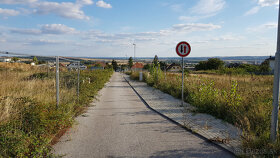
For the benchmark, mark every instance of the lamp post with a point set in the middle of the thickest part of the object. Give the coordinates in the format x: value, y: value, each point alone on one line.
x: 134, y: 49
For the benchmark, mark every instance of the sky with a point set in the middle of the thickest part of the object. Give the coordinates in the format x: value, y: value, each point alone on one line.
x: 109, y: 28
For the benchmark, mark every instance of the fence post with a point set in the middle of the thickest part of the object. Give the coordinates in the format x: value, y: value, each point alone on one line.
x: 48, y: 69
x: 78, y: 84
x: 57, y: 82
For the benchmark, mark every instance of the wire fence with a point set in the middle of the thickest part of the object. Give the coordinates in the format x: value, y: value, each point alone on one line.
x: 38, y: 96
x: 47, y: 78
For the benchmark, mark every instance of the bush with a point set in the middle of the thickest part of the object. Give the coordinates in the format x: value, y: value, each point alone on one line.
x: 210, y: 64
x: 28, y: 132
x: 244, y: 101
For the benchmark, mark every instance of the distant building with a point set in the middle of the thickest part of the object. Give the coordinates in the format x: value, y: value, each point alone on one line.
x: 137, y: 66
x: 98, y: 66
x: 5, y: 59
x: 76, y: 66
x: 174, y: 67
x: 271, y: 63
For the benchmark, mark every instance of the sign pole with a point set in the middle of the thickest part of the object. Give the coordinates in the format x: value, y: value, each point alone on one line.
x: 182, y: 81
x: 183, y: 49
x: 274, y: 115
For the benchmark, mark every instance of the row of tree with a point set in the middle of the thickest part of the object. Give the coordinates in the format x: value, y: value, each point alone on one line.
x: 218, y: 64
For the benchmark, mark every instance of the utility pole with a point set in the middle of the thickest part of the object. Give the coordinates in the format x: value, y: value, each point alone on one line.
x: 274, y: 115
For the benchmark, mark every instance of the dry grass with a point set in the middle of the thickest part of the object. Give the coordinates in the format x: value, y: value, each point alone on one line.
x: 29, y: 118
x: 243, y: 100
x: 15, y: 84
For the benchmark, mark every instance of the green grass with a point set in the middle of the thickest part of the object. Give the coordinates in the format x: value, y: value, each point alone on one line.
x: 242, y: 100
x: 29, y: 119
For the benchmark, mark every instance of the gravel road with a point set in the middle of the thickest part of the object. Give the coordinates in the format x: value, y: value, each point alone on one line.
x: 120, y: 125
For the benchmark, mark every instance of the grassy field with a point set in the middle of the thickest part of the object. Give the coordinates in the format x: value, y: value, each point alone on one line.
x: 242, y: 100
x: 29, y: 119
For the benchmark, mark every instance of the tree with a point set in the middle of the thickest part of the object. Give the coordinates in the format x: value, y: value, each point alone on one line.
x: 210, y: 64
x: 115, y: 65
x: 264, y: 67
x: 215, y: 63
x: 163, y: 65
x: 108, y: 66
x: 202, y: 65
x: 130, y: 62
x: 15, y: 59
x: 155, y: 61
x: 147, y: 67
x: 35, y: 60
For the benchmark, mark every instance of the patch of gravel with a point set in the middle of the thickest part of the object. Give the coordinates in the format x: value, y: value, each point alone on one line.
x: 216, y: 130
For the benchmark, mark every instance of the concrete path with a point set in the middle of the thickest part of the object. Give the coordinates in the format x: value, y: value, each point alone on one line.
x: 218, y: 131
x: 120, y: 125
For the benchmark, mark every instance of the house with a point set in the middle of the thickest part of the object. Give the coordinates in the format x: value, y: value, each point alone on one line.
x: 5, y: 59
x: 271, y: 63
x: 137, y: 67
x: 98, y: 66
x: 76, y: 66
x: 174, y: 67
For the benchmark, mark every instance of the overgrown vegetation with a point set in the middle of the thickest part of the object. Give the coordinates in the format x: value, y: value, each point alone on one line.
x: 216, y: 65
x: 29, y: 119
x: 242, y: 100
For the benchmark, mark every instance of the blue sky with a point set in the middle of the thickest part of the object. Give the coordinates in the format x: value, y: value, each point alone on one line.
x: 108, y: 28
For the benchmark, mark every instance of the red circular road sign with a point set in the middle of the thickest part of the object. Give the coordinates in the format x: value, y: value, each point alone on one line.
x: 183, y: 49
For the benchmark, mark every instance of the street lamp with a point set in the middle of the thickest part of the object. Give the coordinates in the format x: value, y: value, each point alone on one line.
x: 134, y: 49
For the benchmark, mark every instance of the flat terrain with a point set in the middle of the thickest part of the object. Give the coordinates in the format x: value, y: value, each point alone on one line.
x: 120, y: 125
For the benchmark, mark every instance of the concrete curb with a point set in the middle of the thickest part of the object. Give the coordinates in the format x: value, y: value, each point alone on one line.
x: 177, y: 123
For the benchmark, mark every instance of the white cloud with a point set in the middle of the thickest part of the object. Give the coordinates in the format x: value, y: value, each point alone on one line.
x: 26, y: 31
x: 46, y: 29
x: 265, y: 3
x: 103, y: 4
x: 17, y: 1
x: 8, y: 12
x: 252, y: 11
x: 194, y: 27
x: 261, y: 3
x: 85, y: 2
x: 64, y: 9
x: 228, y: 37
x: 193, y: 18
x: 2, y: 40
x: 208, y: 7
x: 57, y: 29
x: 43, y: 42
x: 264, y: 27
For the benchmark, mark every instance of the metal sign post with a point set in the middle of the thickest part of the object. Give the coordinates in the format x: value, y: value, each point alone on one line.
x: 182, y: 81
x: 274, y: 115
x: 183, y: 49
